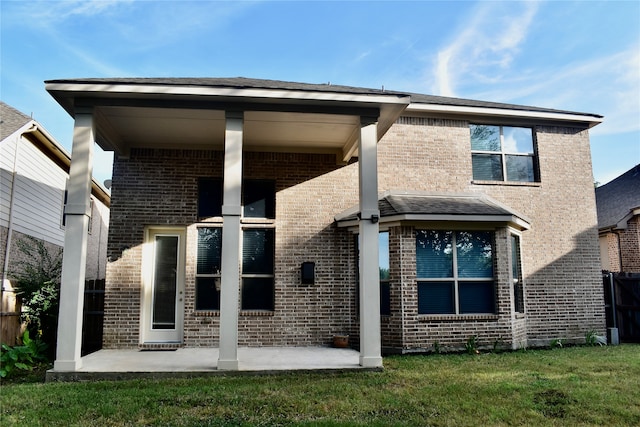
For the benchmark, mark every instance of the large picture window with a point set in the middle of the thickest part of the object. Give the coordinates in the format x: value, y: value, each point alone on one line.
x: 502, y: 153
x: 455, y: 272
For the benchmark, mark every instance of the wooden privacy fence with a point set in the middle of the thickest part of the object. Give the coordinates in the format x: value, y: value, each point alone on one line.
x: 11, y: 328
x: 93, y: 316
x: 622, y: 300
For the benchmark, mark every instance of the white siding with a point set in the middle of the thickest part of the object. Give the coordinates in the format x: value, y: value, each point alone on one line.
x: 97, y: 244
x: 39, y: 192
x: 7, y: 153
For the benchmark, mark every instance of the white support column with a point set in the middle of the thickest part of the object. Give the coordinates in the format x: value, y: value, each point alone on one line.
x: 370, y: 341
x: 77, y: 214
x: 231, y: 235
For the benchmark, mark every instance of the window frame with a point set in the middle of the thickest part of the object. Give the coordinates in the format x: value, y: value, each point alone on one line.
x: 516, y: 270
x: 503, y: 153
x: 214, y: 276
x: 253, y: 222
x: 455, y: 280
x: 243, y: 275
x: 384, y: 284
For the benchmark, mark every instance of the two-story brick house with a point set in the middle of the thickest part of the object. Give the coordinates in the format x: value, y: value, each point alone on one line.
x: 264, y: 213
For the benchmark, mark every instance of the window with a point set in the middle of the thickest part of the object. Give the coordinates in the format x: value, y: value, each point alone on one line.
x: 516, y: 274
x: 383, y: 268
x: 209, y: 197
x: 259, y: 198
x: 208, y: 268
x: 455, y: 272
x: 258, y: 246
x: 502, y: 153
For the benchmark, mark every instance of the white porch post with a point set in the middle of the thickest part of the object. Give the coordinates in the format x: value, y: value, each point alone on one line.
x: 370, y: 342
x: 231, y: 235
x: 77, y: 214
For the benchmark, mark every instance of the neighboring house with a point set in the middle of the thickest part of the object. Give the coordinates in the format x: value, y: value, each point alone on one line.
x: 619, y: 222
x: 265, y: 213
x: 33, y: 178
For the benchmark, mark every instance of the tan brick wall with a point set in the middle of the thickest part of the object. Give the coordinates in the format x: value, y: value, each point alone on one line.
x: 563, y: 294
x: 561, y: 266
x: 310, y: 191
x: 630, y: 246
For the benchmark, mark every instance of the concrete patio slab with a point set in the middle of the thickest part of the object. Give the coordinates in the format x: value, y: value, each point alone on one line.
x: 194, y: 362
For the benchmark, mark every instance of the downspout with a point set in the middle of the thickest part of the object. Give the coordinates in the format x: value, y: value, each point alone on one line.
x: 5, y: 267
x: 402, y: 289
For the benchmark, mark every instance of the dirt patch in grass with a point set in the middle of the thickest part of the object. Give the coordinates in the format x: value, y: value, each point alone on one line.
x: 552, y: 403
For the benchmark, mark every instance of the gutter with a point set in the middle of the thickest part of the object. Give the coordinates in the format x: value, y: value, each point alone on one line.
x: 590, y: 120
x: 5, y: 267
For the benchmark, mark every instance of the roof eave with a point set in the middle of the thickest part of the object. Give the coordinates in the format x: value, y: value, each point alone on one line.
x: 589, y: 120
x: 59, y: 153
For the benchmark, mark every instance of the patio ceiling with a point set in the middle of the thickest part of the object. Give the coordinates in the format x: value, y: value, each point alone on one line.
x: 178, y: 113
x: 205, y: 129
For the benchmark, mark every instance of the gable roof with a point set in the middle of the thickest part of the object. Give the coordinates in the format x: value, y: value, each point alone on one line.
x: 423, y: 206
x: 11, y: 120
x: 619, y: 199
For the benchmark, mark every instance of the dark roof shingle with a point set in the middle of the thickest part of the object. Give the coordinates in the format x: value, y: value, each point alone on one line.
x: 459, y: 206
x: 616, y: 199
x: 11, y: 120
x: 244, y: 83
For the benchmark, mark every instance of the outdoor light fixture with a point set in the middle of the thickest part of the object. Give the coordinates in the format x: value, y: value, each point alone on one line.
x: 307, y: 273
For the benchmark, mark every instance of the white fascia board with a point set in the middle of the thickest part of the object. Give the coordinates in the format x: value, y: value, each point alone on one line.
x: 503, y: 112
x: 226, y: 92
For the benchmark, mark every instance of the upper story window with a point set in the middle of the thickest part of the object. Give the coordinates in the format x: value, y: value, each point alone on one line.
x: 503, y: 153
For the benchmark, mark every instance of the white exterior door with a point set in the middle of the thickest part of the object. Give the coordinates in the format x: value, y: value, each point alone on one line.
x: 163, y: 282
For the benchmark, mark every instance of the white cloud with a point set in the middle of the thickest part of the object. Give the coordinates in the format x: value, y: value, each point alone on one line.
x: 51, y: 13
x: 479, y: 46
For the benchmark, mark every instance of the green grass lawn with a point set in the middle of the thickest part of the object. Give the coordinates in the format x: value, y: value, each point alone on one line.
x: 570, y: 386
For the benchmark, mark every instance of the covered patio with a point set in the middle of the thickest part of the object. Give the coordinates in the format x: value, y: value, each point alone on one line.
x: 234, y: 117
x: 198, y: 362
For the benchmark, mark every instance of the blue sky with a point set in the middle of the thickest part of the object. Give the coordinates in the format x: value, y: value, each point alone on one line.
x: 578, y: 56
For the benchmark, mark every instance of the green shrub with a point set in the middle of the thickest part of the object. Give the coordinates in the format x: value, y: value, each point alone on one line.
x: 37, y: 279
x: 23, y: 357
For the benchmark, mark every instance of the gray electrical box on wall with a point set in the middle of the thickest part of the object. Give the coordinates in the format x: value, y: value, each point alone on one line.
x: 308, y: 273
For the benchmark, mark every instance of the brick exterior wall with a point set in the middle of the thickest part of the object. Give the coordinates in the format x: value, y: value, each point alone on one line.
x: 610, y: 252
x: 561, y: 267
x: 623, y: 248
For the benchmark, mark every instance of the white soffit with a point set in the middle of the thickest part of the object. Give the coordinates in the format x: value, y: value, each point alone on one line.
x: 502, y: 112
